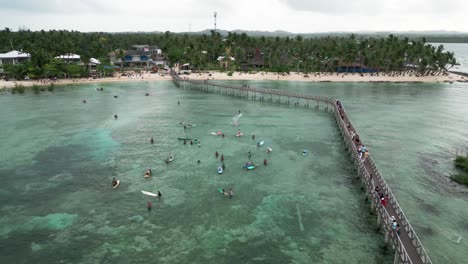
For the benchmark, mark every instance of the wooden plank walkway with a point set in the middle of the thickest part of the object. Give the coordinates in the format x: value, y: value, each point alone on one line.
x: 408, y: 247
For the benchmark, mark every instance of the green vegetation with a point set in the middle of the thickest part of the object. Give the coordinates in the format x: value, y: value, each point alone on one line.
x: 50, y: 88
x: 276, y: 54
x: 19, y: 88
x: 461, y: 162
x: 35, y: 88
x: 230, y: 73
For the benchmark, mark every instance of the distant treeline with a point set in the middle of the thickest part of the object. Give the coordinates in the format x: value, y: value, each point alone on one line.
x: 231, y: 52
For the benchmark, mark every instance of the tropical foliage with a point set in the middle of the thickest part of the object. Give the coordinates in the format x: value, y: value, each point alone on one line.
x: 277, y: 54
x: 461, y: 162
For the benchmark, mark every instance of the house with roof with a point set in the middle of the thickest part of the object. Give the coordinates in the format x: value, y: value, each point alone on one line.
x: 70, y: 58
x: 138, y: 56
x: 13, y: 57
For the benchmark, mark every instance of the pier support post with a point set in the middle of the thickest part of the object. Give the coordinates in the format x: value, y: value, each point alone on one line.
x: 387, y: 237
x: 397, y: 258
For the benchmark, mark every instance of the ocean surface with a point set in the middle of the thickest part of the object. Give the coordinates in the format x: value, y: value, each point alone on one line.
x: 58, y: 157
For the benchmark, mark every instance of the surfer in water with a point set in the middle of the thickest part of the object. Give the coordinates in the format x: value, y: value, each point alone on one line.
x: 149, y: 205
x: 152, y: 140
x: 115, y: 116
x: 265, y: 162
x: 222, y: 157
x: 159, y: 195
x: 216, y: 154
x: 231, y: 193
x: 114, y: 182
x: 222, y: 166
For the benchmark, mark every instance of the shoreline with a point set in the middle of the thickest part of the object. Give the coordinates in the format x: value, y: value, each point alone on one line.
x: 258, y: 76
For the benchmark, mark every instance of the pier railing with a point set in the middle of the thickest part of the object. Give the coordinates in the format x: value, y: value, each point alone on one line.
x: 407, y: 245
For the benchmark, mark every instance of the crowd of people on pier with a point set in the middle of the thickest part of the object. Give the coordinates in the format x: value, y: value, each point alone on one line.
x: 363, y: 154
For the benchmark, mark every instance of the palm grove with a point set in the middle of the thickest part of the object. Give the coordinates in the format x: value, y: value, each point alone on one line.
x: 203, y: 52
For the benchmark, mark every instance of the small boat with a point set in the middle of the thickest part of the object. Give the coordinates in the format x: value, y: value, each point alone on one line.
x: 305, y: 152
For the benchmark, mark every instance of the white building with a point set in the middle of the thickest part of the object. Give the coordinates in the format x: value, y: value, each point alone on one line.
x: 13, y: 57
x: 70, y: 57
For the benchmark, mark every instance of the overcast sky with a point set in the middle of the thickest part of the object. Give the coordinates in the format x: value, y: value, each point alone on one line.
x: 299, y: 16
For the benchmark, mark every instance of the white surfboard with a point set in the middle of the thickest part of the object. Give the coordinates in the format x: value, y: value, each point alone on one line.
x: 149, y: 193
x: 117, y: 185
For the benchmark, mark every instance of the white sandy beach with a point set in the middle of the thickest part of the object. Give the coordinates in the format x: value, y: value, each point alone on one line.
x: 323, y: 77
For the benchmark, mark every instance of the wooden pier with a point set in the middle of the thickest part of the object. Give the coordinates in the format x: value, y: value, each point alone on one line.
x: 408, y: 248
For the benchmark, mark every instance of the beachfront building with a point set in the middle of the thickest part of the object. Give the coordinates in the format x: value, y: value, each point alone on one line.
x: 224, y: 61
x: 70, y: 58
x: 139, y: 56
x: 13, y: 57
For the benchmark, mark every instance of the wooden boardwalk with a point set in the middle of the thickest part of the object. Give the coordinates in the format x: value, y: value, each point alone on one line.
x: 408, y: 247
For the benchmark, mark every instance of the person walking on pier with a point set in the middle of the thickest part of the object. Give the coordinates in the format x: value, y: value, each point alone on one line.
x: 383, y: 202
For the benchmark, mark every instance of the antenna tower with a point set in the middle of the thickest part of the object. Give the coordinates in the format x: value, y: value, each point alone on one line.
x: 215, y: 15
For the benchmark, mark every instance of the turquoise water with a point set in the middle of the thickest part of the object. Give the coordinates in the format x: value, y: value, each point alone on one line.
x: 414, y: 131
x: 59, y: 157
